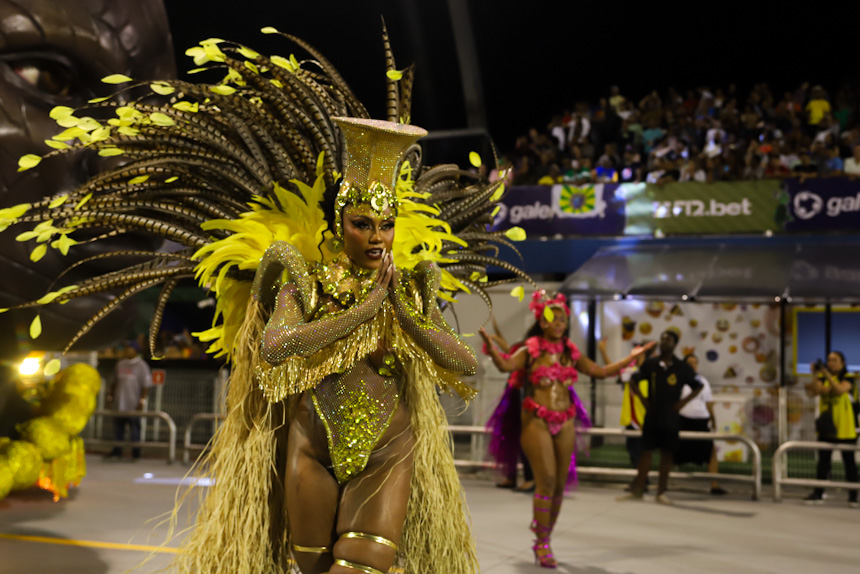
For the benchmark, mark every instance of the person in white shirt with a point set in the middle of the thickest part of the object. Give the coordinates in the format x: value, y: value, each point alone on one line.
x: 128, y: 393
x: 698, y: 415
x: 852, y: 164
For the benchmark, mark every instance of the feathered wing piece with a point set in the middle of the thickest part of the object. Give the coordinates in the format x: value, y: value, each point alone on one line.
x: 222, y: 171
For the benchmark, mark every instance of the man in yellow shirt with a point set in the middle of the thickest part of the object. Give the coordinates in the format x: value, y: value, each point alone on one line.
x: 817, y: 106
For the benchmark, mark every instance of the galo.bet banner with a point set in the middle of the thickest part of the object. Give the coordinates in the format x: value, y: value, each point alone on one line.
x: 596, y: 209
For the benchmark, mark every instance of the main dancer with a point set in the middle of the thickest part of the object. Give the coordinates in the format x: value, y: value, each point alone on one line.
x: 334, y: 453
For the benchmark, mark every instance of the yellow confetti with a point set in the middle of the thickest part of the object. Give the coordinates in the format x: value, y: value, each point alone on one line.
x: 38, y: 252
x: 548, y: 314
x: 100, y: 134
x: 83, y: 201
x: 160, y: 119
x: 28, y: 161
x: 171, y: 179
x: 497, y: 195
x: 138, y: 179
x: 496, y: 211
x: 518, y: 292
x: 68, y: 122
x: 394, y: 74
x: 282, y: 62
x: 53, y: 367
x: 36, y: 328
x: 223, y: 90
x: 63, y: 244
x: 15, y: 212
x: 98, y: 100
x: 61, y: 112
x: 187, y: 107
x: 269, y: 30
x: 475, y: 159
x: 248, y: 52
x: 162, y: 89
x: 110, y: 152
x: 56, y: 144
x: 58, y: 201
x: 516, y: 234
x: 116, y: 79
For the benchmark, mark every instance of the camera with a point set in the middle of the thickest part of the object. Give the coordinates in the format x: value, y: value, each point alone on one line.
x: 818, y: 365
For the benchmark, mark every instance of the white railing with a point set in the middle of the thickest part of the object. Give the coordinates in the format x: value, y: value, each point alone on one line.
x: 754, y: 478
x: 188, y: 446
x: 170, y: 445
x: 777, y: 467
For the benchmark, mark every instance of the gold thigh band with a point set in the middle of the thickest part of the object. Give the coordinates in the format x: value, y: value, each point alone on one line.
x: 371, y: 537
x: 359, y: 567
x: 311, y: 549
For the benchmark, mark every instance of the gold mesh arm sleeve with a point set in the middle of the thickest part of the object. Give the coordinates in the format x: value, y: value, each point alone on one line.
x: 288, y: 335
x: 429, y: 329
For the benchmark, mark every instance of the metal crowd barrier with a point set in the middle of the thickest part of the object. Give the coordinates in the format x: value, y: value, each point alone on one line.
x: 171, y: 429
x: 755, y: 478
x: 779, y: 479
x: 187, y: 445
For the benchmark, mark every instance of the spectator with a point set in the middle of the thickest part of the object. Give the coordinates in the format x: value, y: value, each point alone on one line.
x: 775, y: 169
x: 616, y: 100
x: 836, y: 421
x: 805, y: 168
x: 578, y: 129
x: 631, y: 172
x: 666, y: 375
x: 503, y: 171
x: 753, y: 168
x: 551, y: 178
x: 698, y: 416
x: 128, y: 393
x: 692, y: 171
x: 852, y: 164
x: 604, y: 172
x: 558, y: 132
x: 652, y: 135
x: 817, y: 107
x: 581, y: 173
x: 833, y: 164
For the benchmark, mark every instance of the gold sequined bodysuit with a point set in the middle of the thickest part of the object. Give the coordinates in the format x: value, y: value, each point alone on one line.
x: 338, y: 335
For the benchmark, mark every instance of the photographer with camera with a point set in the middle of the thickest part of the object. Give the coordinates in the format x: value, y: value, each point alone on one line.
x: 836, y: 422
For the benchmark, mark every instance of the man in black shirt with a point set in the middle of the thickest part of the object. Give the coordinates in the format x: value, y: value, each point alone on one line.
x: 666, y: 375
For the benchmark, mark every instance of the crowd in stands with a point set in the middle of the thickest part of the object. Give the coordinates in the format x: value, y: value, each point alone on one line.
x: 702, y: 135
x: 169, y: 345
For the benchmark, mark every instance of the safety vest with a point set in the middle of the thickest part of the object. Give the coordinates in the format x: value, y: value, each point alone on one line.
x: 842, y: 407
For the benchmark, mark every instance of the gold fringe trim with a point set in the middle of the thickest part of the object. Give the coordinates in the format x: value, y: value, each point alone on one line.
x: 299, y: 374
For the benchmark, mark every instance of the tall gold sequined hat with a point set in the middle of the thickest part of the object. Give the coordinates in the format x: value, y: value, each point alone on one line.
x: 374, y: 149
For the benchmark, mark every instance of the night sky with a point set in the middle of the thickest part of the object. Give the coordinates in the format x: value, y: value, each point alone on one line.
x: 538, y: 57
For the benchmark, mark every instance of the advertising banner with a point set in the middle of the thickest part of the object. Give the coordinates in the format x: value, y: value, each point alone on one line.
x: 702, y: 208
x: 822, y: 204
x: 544, y: 211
